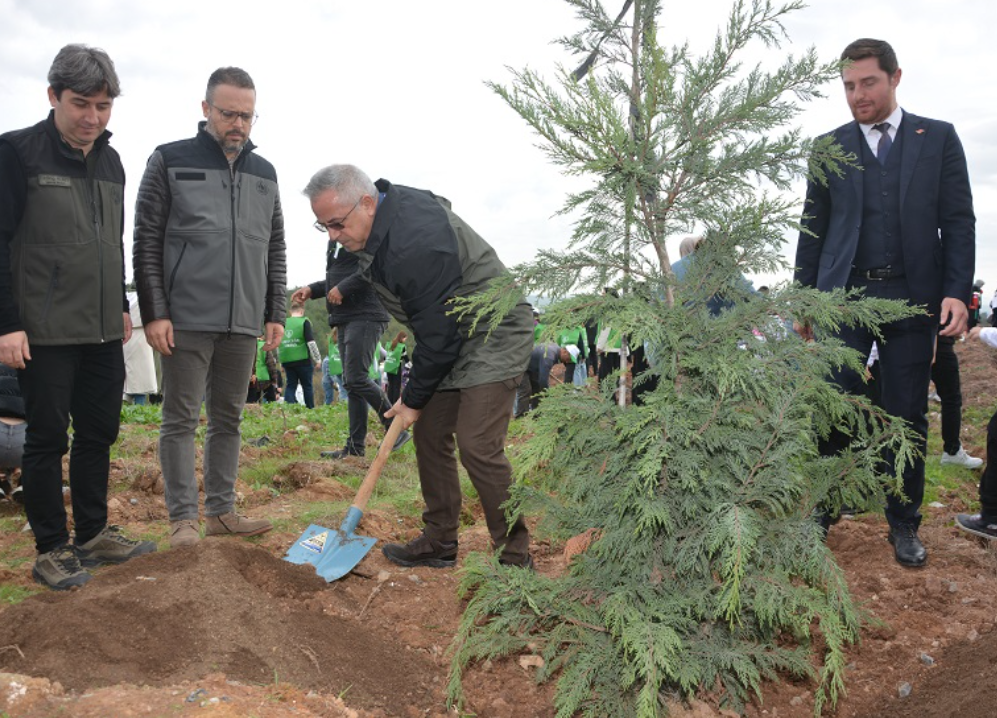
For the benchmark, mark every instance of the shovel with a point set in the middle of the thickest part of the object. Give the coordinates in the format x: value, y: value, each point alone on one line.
x: 335, y: 553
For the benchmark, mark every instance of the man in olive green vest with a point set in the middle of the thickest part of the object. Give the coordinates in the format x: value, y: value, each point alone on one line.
x: 63, y: 311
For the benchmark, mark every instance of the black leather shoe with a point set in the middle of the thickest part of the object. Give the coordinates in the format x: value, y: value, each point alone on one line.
x: 422, y: 551
x: 526, y: 563
x: 907, y: 547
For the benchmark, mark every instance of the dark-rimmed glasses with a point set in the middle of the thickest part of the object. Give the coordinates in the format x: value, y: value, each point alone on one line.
x: 339, y: 225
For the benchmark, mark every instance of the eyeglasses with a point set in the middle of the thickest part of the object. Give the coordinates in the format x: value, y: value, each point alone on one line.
x: 339, y: 225
x: 230, y: 117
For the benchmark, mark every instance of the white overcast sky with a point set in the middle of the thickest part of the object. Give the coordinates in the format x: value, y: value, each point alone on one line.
x: 397, y: 87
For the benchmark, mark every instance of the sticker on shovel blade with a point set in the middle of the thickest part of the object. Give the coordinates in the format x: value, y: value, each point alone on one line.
x: 316, y: 543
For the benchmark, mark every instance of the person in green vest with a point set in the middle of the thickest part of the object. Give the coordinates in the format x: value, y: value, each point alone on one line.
x: 538, y: 326
x: 574, y: 337
x: 299, y: 356
x: 332, y: 371
x: 263, y: 383
x: 395, y: 357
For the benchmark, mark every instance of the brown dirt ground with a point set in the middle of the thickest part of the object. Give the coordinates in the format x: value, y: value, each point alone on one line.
x: 228, y: 629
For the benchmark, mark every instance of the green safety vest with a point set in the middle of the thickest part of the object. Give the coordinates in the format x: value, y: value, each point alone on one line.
x: 262, y: 373
x: 574, y: 336
x: 393, y: 362
x: 292, y: 346
x: 537, y: 331
x: 375, y: 371
x: 335, y: 361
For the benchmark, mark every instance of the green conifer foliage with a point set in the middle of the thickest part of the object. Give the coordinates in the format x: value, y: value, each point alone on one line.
x: 708, y: 573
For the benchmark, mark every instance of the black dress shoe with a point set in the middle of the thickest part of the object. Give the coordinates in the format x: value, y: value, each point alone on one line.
x: 907, y: 547
x: 422, y: 551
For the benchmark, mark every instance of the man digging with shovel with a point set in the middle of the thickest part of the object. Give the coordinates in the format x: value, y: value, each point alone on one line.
x: 420, y: 256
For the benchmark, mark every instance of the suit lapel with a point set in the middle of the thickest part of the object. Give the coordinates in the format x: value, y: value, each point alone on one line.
x: 850, y: 142
x: 913, y: 131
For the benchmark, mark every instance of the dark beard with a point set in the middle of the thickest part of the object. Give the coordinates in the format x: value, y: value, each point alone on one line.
x: 232, y: 147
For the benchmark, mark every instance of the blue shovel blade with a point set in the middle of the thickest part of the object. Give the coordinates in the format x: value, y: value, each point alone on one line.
x: 334, y: 553
x: 310, y: 545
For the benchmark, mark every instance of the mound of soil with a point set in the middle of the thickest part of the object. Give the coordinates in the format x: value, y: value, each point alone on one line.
x: 221, y: 606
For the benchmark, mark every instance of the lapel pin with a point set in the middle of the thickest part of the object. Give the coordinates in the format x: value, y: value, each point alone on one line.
x: 919, y: 132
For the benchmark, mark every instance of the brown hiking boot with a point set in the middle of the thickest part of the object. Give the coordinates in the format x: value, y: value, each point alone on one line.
x: 111, y: 546
x: 184, y: 533
x: 60, y: 569
x: 231, y: 524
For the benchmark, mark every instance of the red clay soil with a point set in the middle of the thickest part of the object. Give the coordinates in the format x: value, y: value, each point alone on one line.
x: 227, y: 629
x: 221, y: 606
x: 230, y: 621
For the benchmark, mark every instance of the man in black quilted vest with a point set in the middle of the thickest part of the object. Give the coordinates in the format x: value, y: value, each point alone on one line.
x: 210, y: 272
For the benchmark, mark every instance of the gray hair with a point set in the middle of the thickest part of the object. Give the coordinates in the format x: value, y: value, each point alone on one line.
x: 234, y: 76
x: 349, y: 181
x: 84, y: 70
x: 688, y: 245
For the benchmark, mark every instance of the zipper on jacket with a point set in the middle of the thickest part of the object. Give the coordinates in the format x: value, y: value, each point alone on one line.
x: 235, y: 233
x: 95, y: 218
x: 53, y: 284
x: 173, y: 274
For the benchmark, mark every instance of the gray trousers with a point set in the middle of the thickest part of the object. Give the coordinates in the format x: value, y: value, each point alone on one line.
x: 215, y: 367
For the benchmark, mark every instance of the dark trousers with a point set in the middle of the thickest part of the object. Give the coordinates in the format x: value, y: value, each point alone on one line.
x: 299, y: 373
x: 357, y: 341
x: 569, y: 372
x: 537, y: 387
x: 945, y: 374
x: 988, y: 482
x: 521, y: 400
x: 608, y: 363
x: 82, y: 383
x: 644, y: 382
x: 475, y: 421
x: 394, y: 387
x: 905, y: 369
x: 592, y: 335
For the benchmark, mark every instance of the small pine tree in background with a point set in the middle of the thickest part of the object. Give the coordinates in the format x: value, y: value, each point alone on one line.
x: 706, y: 572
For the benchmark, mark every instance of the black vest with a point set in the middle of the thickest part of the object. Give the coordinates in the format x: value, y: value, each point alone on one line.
x: 879, y: 241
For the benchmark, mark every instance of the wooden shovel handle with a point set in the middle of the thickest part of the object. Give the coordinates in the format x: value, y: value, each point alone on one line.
x: 367, y: 487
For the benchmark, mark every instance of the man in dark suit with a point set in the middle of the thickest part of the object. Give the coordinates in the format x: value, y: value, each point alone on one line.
x: 902, y: 227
